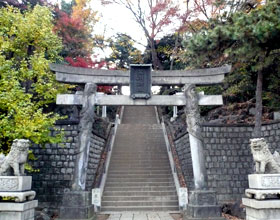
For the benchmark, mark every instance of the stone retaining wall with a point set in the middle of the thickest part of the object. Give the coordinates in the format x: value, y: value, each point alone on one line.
x: 228, y: 157
x: 56, y: 164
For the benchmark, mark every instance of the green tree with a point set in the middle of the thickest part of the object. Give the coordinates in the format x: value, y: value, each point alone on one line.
x: 247, y: 39
x: 27, y: 86
x: 123, y: 51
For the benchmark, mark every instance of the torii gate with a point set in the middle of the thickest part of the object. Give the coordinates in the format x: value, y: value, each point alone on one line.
x: 190, y: 99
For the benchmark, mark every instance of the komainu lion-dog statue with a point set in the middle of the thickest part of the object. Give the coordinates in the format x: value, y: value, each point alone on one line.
x: 16, y: 158
x: 265, y: 161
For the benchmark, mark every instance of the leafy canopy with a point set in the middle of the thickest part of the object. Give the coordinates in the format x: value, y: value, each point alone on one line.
x: 27, y: 86
x: 248, y: 40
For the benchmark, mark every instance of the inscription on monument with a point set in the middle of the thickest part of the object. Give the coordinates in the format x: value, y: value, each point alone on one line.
x: 140, y: 81
x: 271, y: 181
x: 8, y: 184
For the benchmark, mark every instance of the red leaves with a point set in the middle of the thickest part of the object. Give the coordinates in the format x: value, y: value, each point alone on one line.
x: 162, y: 15
x: 105, y: 89
x: 80, y: 62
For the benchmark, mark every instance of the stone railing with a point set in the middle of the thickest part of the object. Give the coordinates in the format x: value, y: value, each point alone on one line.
x: 99, y: 188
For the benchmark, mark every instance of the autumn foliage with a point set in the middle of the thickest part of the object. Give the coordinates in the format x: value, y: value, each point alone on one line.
x: 75, y: 29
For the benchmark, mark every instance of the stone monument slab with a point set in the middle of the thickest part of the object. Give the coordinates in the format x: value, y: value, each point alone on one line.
x: 15, y: 183
x: 264, y: 181
x: 140, y: 81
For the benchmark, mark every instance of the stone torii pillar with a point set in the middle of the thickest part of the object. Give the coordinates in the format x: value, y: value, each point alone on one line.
x: 77, y: 204
x: 85, y: 133
x: 202, y: 201
x: 195, y: 137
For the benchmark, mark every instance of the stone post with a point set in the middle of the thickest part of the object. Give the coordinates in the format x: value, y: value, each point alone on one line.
x: 202, y: 202
x: 175, y: 111
x: 104, y: 111
x: 77, y: 203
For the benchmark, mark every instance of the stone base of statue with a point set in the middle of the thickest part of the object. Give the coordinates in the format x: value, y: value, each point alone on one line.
x: 203, y: 205
x: 21, y: 206
x: 263, y: 197
x: 18, y: 211
x: 262, y: 209
x: 77, y: 205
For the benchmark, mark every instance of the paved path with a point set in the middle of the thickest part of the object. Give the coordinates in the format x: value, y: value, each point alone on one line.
x: 141, y: 216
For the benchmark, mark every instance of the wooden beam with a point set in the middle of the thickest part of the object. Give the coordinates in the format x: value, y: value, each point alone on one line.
x: 155, y: 100
x: 76, y: 75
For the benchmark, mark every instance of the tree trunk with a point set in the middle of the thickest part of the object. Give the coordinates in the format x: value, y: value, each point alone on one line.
x: 259, y: 106
x: 156, y: 62
x: 174, y: 51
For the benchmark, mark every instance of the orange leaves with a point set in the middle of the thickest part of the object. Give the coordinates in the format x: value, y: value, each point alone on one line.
x: 82, y: 10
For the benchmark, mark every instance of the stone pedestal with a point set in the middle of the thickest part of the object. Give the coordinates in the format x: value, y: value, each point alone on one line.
x: 263, y: 197
x: 203, y: 205
x: 77, y: 205
x: 18, y: 211
x: 19, y: 188
x: 262, y: 209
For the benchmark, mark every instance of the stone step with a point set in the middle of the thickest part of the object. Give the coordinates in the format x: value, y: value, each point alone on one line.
x: 140, y: 198
x: 138, y: 140
x: 139, y: 208
x: 139, y: 176
x: 139, y: 154
x: 140, y: 203
x: 140, y: 193
x: 132, y: 184
x: 138, y: 151
x: 117, y: 168
x: 144, y: 175
x: 135, y: 179
x: 139, y: 188
x: 128, y: 159
x: 136, y: 172
x: 139, y: 164
x: 139, y: 157
x: 149, y: 128
x: 148, y: 146
x: 137, y: 169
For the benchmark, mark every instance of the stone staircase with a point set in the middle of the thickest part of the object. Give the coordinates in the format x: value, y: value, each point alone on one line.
x: 139, y: 176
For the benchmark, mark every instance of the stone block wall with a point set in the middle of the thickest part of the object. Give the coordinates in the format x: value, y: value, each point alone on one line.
x: 228, y: 157
x: 56, y: 164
